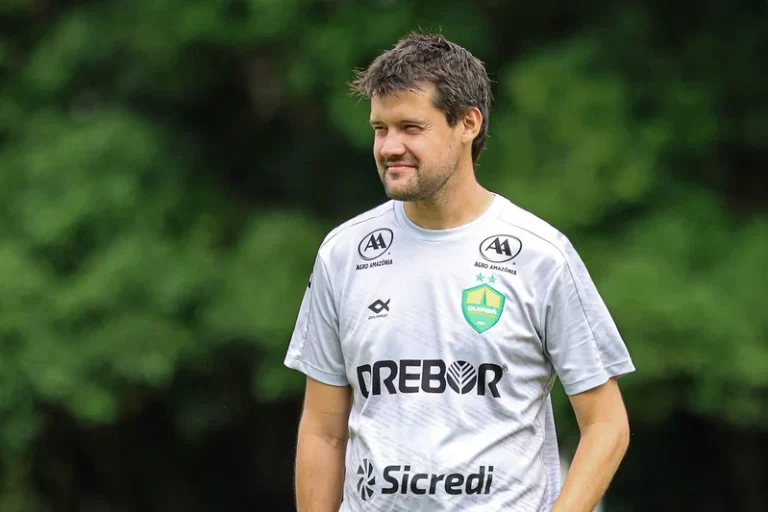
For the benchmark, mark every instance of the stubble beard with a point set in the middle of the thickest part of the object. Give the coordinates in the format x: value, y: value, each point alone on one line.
x: 419, y: 188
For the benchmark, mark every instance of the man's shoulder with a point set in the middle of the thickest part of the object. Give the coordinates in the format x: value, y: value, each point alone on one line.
x: 378, y: 222
x: 544, y: 236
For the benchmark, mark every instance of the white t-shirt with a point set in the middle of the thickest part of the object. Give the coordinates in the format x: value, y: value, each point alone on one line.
x: 451, y: 341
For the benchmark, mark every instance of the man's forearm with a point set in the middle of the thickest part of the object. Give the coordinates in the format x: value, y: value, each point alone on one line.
x: 600, y: 451
x: 319, y: 473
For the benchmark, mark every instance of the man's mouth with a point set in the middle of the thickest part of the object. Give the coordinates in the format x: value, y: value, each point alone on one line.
x: 399, y: 167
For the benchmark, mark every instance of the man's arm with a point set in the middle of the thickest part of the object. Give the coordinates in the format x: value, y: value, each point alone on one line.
x: 321, y: 446
x: 604, y: 428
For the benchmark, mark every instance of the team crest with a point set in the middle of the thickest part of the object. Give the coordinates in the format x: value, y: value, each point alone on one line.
x: 482, y: 306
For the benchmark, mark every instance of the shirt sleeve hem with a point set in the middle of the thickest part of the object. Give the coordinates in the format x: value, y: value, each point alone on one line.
x: 615, y: 370
x: 307, y: 369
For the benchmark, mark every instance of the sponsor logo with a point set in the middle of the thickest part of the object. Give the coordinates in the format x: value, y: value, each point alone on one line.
x: 365, y: 480
x: 498, y: 249
x: 373, y: 264
x: 375, y: 244
x: 482, y: 305
x: 378, y: 308
x: 403, y: 479
x: 434, y: 376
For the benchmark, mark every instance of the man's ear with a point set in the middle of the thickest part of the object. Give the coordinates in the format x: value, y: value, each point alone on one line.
x: 471, y: 122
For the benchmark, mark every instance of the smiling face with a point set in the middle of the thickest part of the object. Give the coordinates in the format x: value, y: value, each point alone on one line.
x: 415, y: 148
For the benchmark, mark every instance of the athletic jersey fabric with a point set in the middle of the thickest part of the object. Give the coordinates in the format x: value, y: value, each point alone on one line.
x: 451, y: 341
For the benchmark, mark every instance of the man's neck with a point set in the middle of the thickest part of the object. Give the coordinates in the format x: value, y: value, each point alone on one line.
x: 456, y: 205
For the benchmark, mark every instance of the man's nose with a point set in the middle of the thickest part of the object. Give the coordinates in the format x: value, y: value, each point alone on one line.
x: 392, y: 146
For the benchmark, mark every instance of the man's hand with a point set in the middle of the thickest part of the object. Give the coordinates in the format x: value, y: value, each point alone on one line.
x: 321, y: 447
x: 604, y: 426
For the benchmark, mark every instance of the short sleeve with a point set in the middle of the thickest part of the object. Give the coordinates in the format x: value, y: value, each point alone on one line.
x: 315, y: 349
x: 580, y: 337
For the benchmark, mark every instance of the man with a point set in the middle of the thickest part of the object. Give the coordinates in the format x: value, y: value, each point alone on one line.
x: 434, y: 325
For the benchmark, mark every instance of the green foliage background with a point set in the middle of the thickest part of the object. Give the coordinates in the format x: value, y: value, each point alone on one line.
x: 169, y: 168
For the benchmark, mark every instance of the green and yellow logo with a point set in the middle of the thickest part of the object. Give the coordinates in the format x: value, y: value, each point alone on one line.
x: 482, y: 305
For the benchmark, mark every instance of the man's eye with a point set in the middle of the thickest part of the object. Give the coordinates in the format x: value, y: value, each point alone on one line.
x: 412, y: 128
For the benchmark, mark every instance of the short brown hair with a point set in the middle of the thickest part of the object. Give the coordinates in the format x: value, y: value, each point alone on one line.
x: 460, y: 79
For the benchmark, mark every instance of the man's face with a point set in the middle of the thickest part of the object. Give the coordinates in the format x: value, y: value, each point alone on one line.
x: 416, y: 151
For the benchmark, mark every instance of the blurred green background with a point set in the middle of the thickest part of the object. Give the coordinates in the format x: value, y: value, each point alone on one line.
x: 168, y: 169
